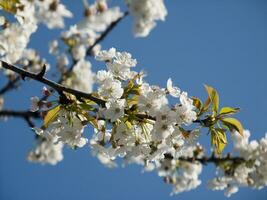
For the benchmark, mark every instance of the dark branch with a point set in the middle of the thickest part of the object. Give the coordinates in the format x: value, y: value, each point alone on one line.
x: 12, y: 113
x: 10, y: 85
x: 215, y: 160
x: 29, y: 122
x: 56, y: 86
x: 26, y: 115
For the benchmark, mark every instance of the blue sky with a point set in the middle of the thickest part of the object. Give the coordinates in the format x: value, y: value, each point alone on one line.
x: 222, y: 43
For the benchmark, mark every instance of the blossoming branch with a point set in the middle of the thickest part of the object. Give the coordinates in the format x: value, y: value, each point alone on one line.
x: 131, y: 120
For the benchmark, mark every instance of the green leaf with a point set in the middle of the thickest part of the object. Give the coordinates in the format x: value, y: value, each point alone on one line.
x: 213, y: 98
x: 228, y: 110
x: 9, y: 5
x: 216, y: 102
x: 197, y: 103
x: 86, y: 107
x: 218, y: 139
x: 233, y: 123
x: 133, y: 100
x: 90, y: 102
x: 128, y: 124
x: 51, y: 115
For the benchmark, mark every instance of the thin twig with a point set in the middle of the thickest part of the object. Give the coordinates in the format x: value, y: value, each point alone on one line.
x: 26, y: 115
x: 106, y: 32
x: 10, y: 85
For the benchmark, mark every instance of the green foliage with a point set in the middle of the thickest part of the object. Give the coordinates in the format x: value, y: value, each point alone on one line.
x: 233, y: 124
x: 208, y: 114
x: 215, y: 119
x: 9, y: 5
x: 218, y: 139
x: 228, y: 110
x: 213, y: 99
x: 51, y: 115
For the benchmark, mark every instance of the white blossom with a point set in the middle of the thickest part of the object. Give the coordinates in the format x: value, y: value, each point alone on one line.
x: 67, y: 128
x: 118, y: 63
x: 186, y: 110
x: 99, y: 21
x: 51, y: 13
x: 111, y: 89
x: 14, y: 38
x: 53, y: 47
x: 62, y: 61
x: 173, y: 91
x: 230, y: 190
x: 151, y: 100
x: 249, y: 173
x: 35, y: 104
x: 106, y: 55
x: 47, y: 152
x: 82, y: 78
x: 32, y: 61
x: 145, y: 13
x: 114, y: 109
x: 2, y: 20
x: 78, y: 52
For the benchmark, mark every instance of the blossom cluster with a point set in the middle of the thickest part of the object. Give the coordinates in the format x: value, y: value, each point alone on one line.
x: 138, y: 125
x: 78, y: 39
x: 120, y: 126
x: 124, y: 90
x: 15, y: 36
x: 249, y: 173
x: 98, y: 16
x: 146, y: 13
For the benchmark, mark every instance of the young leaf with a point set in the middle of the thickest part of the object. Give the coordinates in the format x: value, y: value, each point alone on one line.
x: 216, y: 101
x: 233, y: 123
x: 228, y: 110
x: 128, y: 124
x: 206, y: 105
x: 197, y: 103
x: 88, y: 117
x: 214, y: 98
x: 9, y: 5
x: 89, y: 102
x: 218, y: 139
x: 133, y: 100
x: 86, y: 106
x: 51, y: 115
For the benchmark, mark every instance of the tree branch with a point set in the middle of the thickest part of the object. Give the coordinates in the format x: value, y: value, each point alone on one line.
x: 10, y: 85
x: 60, y: 88
x: 56, y: 86
x: 215, y: 160
x: 12, y: 113
x: 26, y: 115
x: 106, y: 32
